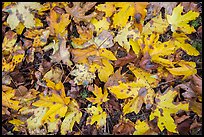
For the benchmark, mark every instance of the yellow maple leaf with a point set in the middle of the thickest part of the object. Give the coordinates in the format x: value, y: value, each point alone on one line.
x: 156, y: 24
x: 7, y: 95
x: 100, y: 98
x: 100, y: 25
x: 156, y: 49
x: 164, y: 108
x: 17, y: 123
x: 108, y: 8
x: 10, y: 39
x: 35, y: 121
x: 58, y: 23
x: 180, y: 22
x: 73, y: 115
x: 141, y: 127
x: 179, y: 41
x: 146, y: 77
x: 133, y: 105
x: 104, y: 70
x: 56, y: 103
x: 97, y: 115
x: 124, y: 34
x: 186, y: 68
x: 22, y: 9
x: 125, y: 90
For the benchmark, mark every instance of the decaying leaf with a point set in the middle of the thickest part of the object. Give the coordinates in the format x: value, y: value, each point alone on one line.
x: 169, y: 6
x: 54, y: 75
x: 62, y: 54
x: 17, y: 123
x: 124, y: 127
x: 83, y: 75
x: 79, y: 9
x: 20, y: 12
x: 58, y: 23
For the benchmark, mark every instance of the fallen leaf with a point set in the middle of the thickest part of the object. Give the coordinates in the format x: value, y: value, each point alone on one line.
x: 73, y: 115
x: 124, y: 34
x: 179, y: 22
x: 156, y: 25
x: 62, y: 54
x: 100, y: 98
x: 125, y: 127
x: 97, y: 115
x: 141, y: 127
x: 164, y: 109
x: 22, y: 9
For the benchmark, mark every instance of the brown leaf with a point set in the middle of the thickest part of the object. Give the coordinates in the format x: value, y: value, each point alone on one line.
x: 79, y: 9
x: 113, y: 79
x: 169, y: 6
x: 131, y: 57
x: 146, y: 63
x: 196, y: 84
x: 62, y: 54
x: 195, y: 107
x: 178, y: 120
x: 187, y: 6
x: 199, y: 31
x: 124, y: 128
x: 184, y: 127
x: 189, y: 94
